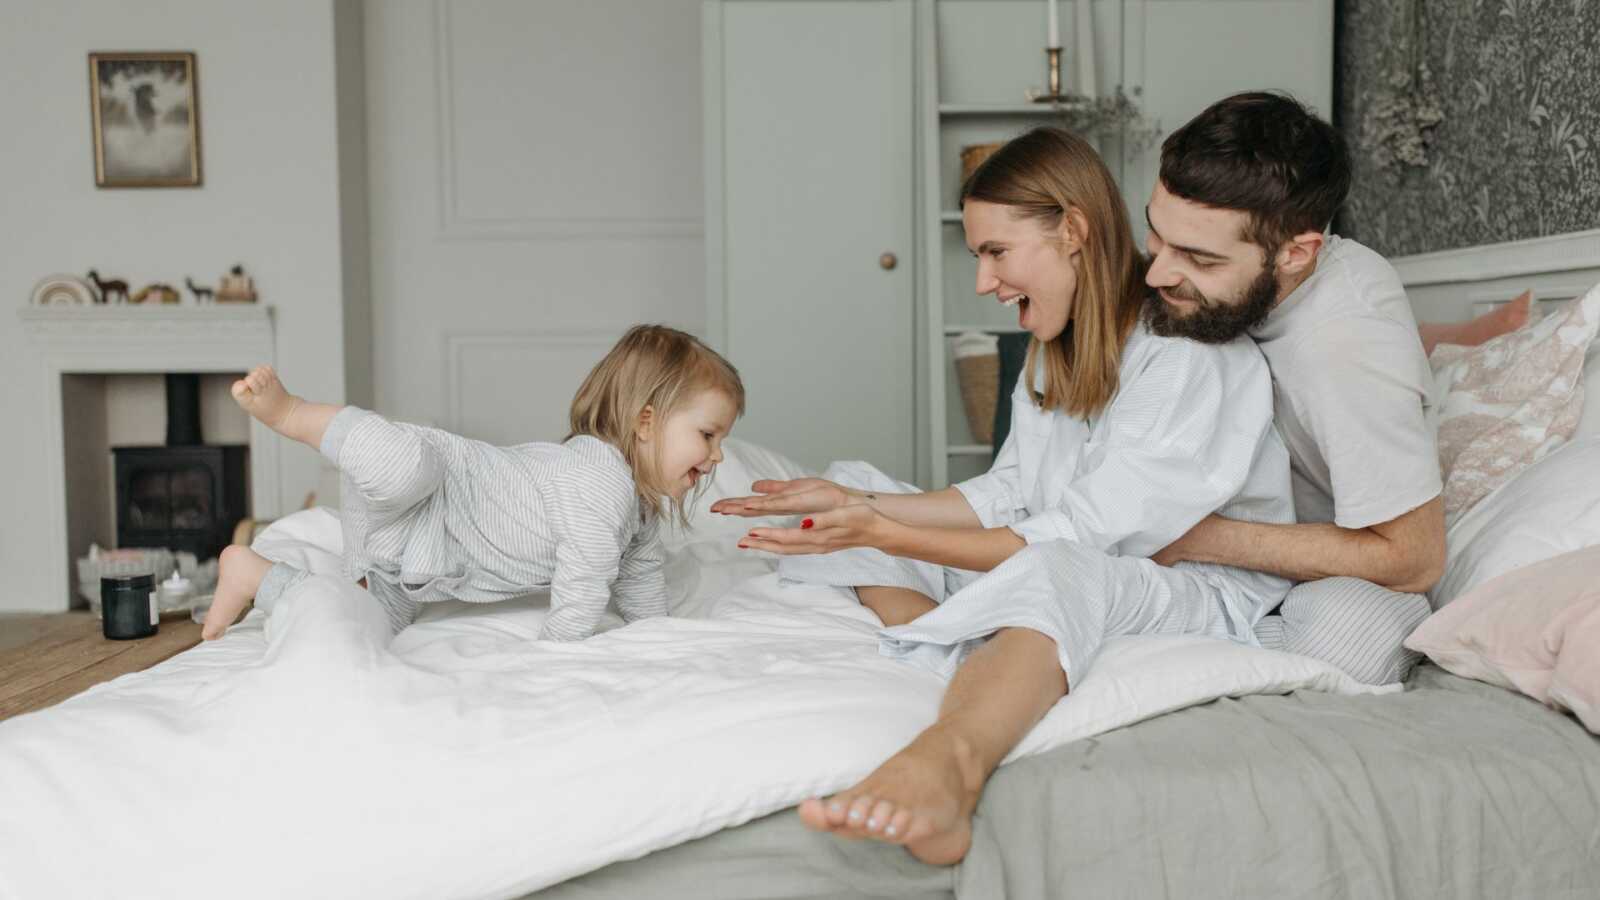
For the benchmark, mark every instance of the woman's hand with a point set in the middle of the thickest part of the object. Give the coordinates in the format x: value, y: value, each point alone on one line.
x: 855, y: 525
x: 787, y: 498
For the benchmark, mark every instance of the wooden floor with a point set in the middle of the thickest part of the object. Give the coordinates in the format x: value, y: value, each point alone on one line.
x: 46, y: 659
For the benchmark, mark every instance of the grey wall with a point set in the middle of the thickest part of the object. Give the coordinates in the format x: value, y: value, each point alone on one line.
x: 270, y: 141
x: 1517, y: 152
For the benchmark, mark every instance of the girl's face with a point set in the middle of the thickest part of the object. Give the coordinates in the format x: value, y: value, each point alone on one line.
x: 1025, y: 265
x: 690, y: 440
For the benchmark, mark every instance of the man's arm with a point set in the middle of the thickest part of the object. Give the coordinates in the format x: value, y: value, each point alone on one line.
x: 1404, y: 554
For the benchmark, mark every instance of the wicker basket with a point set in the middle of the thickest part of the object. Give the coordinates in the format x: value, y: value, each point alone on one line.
x: 977, y: 358
x: 972, y: 156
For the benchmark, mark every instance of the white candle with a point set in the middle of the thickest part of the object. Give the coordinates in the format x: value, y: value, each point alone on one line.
x: 1053, y: 39
x: 1085, y: 28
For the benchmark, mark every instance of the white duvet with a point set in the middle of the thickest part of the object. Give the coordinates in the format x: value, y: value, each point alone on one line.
x: 309, y: 756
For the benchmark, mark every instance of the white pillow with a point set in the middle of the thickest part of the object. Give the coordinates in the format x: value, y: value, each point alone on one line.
x: 1551, y: 508
x: 311, y: 540
x: 1590, y: 422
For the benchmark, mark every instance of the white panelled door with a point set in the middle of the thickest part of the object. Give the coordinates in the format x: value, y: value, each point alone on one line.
x: 810, y: 215
x: 535, y: 182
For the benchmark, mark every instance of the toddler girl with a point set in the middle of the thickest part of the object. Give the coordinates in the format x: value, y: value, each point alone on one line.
x: 428, y: 515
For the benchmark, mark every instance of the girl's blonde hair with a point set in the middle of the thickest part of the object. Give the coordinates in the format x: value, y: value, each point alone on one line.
x: 656, y: 367
x: 1045, y: 175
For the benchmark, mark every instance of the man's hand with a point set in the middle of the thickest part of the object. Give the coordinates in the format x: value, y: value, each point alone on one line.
x: 787, y: 498
x: 856, y: 525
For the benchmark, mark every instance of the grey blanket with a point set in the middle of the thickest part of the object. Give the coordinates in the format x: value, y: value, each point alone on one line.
x: 1453, y: 789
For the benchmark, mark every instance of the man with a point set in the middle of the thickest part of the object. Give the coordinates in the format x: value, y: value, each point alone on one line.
x: 1237, y: 243
x: 1236, y: 238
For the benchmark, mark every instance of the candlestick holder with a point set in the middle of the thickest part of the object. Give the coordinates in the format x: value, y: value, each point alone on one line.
x: 1052, y: 93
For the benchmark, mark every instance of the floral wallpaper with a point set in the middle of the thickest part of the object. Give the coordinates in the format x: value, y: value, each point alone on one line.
x: 1470, y: 121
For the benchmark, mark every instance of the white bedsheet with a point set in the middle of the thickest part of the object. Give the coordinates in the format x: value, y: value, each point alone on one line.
x: 305, y: 757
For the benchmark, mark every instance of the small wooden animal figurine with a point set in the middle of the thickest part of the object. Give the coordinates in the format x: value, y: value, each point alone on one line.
x: 156, y: 293
x: 201, y: 293
x: 108, y: 289
x: 236, y: 287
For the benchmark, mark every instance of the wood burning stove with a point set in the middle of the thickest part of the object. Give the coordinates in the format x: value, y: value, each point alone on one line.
x: 186, y: 495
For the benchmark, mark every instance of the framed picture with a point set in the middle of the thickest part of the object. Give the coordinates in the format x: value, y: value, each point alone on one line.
x: 146, y: 112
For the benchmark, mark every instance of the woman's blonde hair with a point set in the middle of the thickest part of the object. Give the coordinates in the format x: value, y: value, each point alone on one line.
x: 1045, y: 175
x: 656, y: 367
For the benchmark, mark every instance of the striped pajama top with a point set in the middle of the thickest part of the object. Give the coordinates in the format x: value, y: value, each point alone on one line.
x: 428, y: 515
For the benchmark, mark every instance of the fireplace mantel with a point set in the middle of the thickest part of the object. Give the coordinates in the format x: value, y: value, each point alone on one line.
x: 141, y: 330
x: 104, y: 340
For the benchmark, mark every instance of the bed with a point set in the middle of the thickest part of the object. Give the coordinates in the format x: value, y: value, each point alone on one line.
x: 1451, y: 789
x: 1454, y: 788
x: 1177, y: 769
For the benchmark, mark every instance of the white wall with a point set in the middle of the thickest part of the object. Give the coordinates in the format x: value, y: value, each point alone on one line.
x: 536, y: 188
x: 270, y: 199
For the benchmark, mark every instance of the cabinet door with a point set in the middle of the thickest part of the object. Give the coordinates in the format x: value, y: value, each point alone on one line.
x: 809, y: 192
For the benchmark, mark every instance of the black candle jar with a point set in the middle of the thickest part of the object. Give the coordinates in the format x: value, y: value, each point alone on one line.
x: 128, y: 606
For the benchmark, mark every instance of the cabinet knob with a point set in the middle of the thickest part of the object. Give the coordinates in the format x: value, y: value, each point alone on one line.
x: 888, y: 261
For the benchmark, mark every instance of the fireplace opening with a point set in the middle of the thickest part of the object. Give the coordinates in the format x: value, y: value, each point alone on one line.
x: 186, y: 495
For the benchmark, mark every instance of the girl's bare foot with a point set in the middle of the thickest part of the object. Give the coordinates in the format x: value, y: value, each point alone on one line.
x: 263, y: 396
x: 239, y: 574
x: 921, y: 798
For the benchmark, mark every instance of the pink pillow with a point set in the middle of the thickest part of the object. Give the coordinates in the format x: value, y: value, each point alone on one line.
x: 1535, y: 629
x: 1505, y: 404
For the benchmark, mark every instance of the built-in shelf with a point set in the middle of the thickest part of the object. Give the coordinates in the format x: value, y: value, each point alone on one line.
x: 1043, y: 110
x: 991, y: 329
x: 970, y: 450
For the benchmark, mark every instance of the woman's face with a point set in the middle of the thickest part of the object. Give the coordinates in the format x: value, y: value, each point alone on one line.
x: 1024, y: 265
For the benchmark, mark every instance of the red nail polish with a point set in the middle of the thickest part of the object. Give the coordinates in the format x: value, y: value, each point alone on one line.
x: 744, y: 546
x: 807, y: 523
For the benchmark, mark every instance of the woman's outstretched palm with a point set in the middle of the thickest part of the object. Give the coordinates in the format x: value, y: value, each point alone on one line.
x: 783, y: 498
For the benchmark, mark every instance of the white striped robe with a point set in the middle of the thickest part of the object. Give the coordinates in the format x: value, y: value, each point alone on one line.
x: 428, y: 516
x: 1188, y: 433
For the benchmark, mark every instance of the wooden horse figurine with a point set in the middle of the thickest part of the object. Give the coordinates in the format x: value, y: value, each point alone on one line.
x: 202, y: 294
x: 108, y: 289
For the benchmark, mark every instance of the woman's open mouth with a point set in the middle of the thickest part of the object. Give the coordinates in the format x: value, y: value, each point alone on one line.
x: 1019, y: 301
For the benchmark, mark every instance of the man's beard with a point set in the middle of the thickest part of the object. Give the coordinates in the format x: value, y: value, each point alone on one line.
x: 1212, y: 322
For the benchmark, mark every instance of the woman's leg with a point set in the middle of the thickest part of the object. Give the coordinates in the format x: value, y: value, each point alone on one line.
x: 894, y: 605
x: 1048, y: 609
x: 923, y: 796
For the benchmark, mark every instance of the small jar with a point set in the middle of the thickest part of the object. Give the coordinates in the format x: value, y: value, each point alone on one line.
x: 128, y: 606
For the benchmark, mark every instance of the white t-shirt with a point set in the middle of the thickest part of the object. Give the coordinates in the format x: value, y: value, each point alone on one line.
x: 1350, y: 384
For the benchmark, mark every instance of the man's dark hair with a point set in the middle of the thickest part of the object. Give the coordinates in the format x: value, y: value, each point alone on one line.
x: 1264, y: 154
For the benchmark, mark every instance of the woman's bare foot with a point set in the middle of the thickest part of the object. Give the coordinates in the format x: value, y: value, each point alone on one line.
x: 1506, y: 317
x: 239, y: 574
x: 922, y: 798
x: 264, y: 397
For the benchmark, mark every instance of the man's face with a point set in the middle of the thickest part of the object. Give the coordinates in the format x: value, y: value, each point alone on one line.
x: 1211, y: 284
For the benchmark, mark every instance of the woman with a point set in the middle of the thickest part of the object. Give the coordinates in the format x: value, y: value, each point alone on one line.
x: 1121, y: 441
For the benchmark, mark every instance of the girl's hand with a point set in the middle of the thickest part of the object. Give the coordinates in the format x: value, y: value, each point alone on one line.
x: 787, y: 498
x: 855, y: 525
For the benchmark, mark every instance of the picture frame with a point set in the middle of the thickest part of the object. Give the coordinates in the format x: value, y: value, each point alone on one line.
x: 145, y: 111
